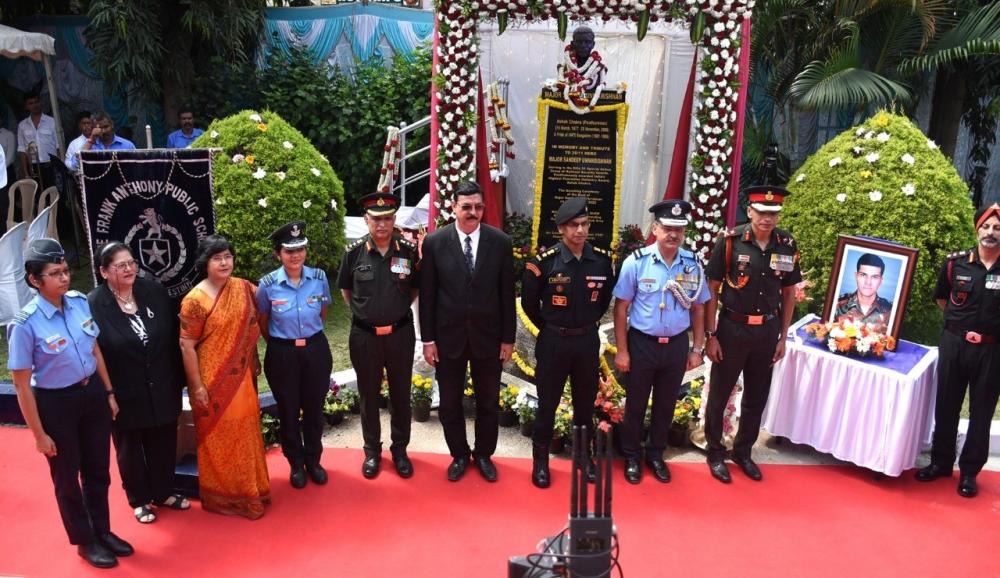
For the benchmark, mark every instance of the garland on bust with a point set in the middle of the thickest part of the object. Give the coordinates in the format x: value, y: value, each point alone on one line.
x: 716, y: 26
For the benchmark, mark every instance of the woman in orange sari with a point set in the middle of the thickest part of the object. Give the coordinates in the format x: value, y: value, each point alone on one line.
x: 219, y: 344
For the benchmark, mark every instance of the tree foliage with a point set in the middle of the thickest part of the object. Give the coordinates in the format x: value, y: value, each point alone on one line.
x: 138, y: 46
x: 344, y: 114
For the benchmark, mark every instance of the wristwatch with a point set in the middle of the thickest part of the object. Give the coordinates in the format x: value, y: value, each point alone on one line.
x: 709, y: 334
x: 698, y: 350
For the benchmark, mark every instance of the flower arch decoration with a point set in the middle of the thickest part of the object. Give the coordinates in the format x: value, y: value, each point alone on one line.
x: 715, y: 24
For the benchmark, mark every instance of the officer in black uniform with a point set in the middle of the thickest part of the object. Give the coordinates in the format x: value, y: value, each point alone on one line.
x: 379, y: 281
x: 565, y: 291
x: 752, y: 272
x: 968, y: 290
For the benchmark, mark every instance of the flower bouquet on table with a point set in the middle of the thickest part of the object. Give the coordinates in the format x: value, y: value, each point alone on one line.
x: 852, y: 338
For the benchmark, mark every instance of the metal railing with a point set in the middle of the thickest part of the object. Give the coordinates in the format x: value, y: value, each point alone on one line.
x: 405, y: 155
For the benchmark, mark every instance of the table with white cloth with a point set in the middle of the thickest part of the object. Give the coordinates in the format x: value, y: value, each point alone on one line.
x: 876, y: 413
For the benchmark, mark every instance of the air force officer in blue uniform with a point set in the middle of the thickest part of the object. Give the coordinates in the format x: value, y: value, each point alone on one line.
x: 660, y: 294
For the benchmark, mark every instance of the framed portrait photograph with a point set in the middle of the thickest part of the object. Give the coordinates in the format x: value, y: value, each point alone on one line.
x: 870, y: 282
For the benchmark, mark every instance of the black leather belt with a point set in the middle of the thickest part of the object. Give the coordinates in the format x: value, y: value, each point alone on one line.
x: 748, y: 319
x: 298, y: 342
x: 383, y: 329
x: 660, y: 340
x: 970, y: 336
x: 54, y: 390
x: 571, y: 331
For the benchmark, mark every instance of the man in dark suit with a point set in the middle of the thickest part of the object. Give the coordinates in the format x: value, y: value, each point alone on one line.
x: 467, y: 318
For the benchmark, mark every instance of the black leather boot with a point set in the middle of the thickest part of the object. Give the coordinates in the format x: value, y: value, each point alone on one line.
x: 540, y: 466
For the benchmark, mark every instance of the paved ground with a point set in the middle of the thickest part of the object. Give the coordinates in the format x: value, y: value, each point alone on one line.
x: 429, y: 437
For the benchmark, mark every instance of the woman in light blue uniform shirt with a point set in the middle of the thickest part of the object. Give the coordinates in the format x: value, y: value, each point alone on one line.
x: 67, y: 400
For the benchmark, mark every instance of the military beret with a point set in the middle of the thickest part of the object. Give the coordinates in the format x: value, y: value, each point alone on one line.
x: 984, y: 214
x: 570, y: 209
x: 290, y: 235
x: 766, y: 198
x: 44, y: 250
x: 378, y: 204
x: 672, y: 212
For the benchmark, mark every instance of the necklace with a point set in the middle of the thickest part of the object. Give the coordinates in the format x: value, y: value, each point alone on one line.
x: 127, y: 304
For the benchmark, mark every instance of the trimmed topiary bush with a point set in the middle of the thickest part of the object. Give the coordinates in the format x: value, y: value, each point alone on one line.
x: 881, y: 179
x: 266, y: 175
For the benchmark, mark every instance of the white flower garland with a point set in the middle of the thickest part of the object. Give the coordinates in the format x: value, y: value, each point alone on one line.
x: 390, y: 161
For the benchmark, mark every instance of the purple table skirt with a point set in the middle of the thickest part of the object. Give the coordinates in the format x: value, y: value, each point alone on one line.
x: 906, y: 356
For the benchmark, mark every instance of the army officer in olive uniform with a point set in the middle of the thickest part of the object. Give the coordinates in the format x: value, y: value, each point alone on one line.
x: 379, y: 281
x: 565, y: 291
x: 292, y: 303
x: 752, y: 273
x: 968, y: 290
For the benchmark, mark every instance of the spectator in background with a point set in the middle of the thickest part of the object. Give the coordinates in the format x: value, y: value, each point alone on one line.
x: 8, y: 152
x: 103, y: 136
x: 38, y: 128
x: 85, y: 124
x: 187, y: 133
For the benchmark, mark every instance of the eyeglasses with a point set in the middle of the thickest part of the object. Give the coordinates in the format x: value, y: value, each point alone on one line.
x: 220, y: 259
x: 124, y: 265
x: 59, y: 274
x: 468, y: 208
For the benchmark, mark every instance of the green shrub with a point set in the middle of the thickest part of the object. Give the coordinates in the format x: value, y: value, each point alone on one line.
x: 832, y: 197
x: 262, y: 183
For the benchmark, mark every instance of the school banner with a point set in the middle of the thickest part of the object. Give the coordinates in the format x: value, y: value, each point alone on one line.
x: 158, y: 202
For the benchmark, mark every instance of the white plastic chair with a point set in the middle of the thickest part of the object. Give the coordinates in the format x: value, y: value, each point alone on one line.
x: 39, y: 228
x: 14, y: 291
x: 50, y: 198
x: 27, y: 189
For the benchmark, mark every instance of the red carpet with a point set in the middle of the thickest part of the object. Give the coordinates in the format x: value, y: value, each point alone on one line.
x: 801, y: 521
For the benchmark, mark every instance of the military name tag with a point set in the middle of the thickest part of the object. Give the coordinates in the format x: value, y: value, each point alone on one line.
x: 647, y: 285
x: 278, y: 302
x: 400, y: 265
x: 782, y: 263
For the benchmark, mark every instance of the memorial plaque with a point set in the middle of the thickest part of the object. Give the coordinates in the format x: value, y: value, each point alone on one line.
x: 580, y: 158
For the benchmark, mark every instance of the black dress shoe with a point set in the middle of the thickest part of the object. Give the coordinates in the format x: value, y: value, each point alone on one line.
x: 97, y: 555
x: 932, y: 472
x: 317, y: 474
x: 369, y: 467
x: 457, y: 468
x: 486, y: 467
x: 720, y: 471
x: 967, y: 486
x: 118, y: 547
x: 540, y: 476
x: 749, y: 468
x: 660, y: 470
x: 404, y: 467
x: 298, y: 478
x: 633, y: 471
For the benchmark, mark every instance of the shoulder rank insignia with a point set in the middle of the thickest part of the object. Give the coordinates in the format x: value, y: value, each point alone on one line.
x: 24, y: 313
x: 605, y: 252
x: 267, y: 280
x: 959, y: 254
x: 356, y: 244
x: 75, y: 293
x: 548, y: 253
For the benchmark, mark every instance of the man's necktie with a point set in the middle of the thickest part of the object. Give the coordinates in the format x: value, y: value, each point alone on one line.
x: 468, y: 254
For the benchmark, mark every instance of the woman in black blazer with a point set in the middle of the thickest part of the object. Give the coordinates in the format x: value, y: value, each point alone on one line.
x: 139, y: 331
